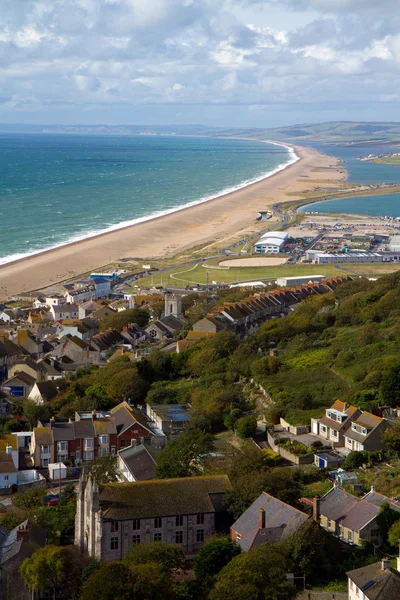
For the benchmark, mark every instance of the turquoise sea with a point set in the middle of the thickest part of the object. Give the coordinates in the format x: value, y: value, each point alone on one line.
x: 60, y: 188
x: 362, y: 172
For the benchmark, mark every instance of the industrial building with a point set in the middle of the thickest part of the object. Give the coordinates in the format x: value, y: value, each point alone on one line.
x: 294, y: 281
x: 324, y: 258
x: 271, y: 242
x: 395, y: 243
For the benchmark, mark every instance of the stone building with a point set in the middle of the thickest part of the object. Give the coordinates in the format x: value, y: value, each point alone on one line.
x: 112, y: 517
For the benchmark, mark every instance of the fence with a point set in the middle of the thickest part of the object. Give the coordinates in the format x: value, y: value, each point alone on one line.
x: 321, y: 595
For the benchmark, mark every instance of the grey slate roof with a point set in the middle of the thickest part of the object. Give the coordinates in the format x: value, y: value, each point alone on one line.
x: 281, y: 521
x: 375, y: 583
x: 354, y: 513
x: 139, y: 461
x: 11, y: 546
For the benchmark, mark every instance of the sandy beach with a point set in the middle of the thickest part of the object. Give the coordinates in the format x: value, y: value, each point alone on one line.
x: 167, y: 235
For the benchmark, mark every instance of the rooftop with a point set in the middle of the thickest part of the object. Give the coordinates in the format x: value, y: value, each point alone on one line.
x: 375, y: 583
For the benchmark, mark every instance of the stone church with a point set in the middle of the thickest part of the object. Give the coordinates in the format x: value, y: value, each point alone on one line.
x: 111, y: 517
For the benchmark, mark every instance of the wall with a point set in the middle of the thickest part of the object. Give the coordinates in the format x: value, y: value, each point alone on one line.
x: 295, y: 430
x: 320, y: 595
x: 297, y: 460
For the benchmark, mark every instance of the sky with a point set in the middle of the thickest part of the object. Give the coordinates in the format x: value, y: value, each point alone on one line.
x: 230, y: 63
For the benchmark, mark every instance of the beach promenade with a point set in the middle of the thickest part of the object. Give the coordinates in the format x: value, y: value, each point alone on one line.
x: 176, y: 232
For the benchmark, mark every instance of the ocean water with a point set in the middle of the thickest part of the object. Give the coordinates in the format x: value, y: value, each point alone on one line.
x: 60, y: 188
x: 362, y: 172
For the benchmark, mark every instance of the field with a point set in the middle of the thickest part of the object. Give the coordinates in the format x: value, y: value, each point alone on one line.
x: 201, y: 275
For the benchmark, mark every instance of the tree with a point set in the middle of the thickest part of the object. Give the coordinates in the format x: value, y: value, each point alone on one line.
x: 312, y: 550
x: 182, y: 457
x: 112, y: 581
x: 29, y: 499
x: 256, y: 575
x: 127, y: 384
x: 385, y: 520
x: 391, y: 438
x: 169, y: 557
x: 212, y: 557
x: 32, y: 412
x: 151, y: 582
x: 394, y: 534
x: 389, y: 389
x: 126, y: 317
x: 231, y: 418
x: 246, y: 427
x: 104, y: 469
x: 52, y: 567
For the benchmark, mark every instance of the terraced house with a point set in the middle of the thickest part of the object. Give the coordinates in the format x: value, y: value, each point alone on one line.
x: 90, y: 435
x: 112, y: 517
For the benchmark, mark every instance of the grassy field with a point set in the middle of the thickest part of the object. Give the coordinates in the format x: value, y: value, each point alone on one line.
x: 198, y: 273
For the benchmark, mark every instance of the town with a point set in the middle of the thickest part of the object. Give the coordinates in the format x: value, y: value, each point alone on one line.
x: 167, y: 427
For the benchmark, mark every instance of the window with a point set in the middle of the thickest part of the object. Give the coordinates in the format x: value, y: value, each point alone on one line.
x: 158, y: 522
x: 364, y: 431
x: 45, y: 449
x: 238, y: 537
x: 329, y: 415
x: 136, y: 538
x: 329, y: 523
x: 374, y: 532
x: 333, y: 433
x: 200, y: 519
x: 6, y: 477
x: 200, y: 535
x: 157, y: 537
x: 62, y: 447
x: 114, y: 526
x: 133, y: 442
x: 179, y: 537
x: 136, y: 524
x: 179, y: 521
x: 114, y: 543
x: 354, y: 427
x: 350, y: 536
x: 123, y: 442
x: 88, y: 455
x: 112, y: 450
x: 323, y: 428
x: 88, y: 444
x: 103, y: 440
x: 78, y: 454
x: 103, y: 452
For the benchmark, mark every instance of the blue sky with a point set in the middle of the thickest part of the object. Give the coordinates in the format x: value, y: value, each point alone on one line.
x: 243, y: 63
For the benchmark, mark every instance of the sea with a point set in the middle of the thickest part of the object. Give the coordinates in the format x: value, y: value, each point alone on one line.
x: 385, y: 205
x: 56, y: 188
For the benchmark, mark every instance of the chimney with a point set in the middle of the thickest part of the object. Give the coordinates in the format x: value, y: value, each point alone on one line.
x: 261, y: 518
x: 373, y: 489
x: 316, y: 508
x: 385, y: 563
x: 94, y: 415
x: 9, y: 449
x: 52, y: 422
x: 345, y: 406
x: 23, y: 532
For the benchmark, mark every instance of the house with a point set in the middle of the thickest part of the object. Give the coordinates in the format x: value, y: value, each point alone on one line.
x: 77, y: 351
x: 136, y: 463
x: 374, y: 582
x: 55, y: 300
x: 43, y: 392
x: 366, y: 433
x: 90, y: 435
x: 156, y: 330
x: 65, y: 311
x: 336, y: 421
x: 171, y: 419
x: 15, y: 546
x: 103, y: 312
x: 19, y: 385
x: 79, y: 330
x: 87, y: 308
x: 112, y: 517
x: 102, y: 287
x: 30, y: 367
x: 378, y: 499
x: 52, y: 368
x: 8, y: 472
x: 82, y: 294
x: 26, y: 340
x: 347, y: 517
x: 107, y: 339
x: 267, y: 520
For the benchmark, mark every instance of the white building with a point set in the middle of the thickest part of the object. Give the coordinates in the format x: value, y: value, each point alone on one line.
x: 271, y: 242
x: 294, y: 281
x: 325, y: 258
x: 374, y: 581
x: 395, y: 243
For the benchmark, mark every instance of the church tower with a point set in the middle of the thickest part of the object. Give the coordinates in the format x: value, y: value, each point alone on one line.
x: 173, y: 306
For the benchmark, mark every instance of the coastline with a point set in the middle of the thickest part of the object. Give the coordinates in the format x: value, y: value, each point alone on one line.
x: 292, y: 158
x: 166, y: 235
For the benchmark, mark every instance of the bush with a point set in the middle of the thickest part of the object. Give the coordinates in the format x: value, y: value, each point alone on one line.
x: 246, y: 427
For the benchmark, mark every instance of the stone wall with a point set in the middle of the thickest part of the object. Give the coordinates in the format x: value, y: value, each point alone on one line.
x: 321, y: 595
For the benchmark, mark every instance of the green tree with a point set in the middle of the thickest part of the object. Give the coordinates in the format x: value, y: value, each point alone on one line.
x: 169, y: 557
x: 32, y: 412
x: 104, y: 469
x: 112, y: 581
x: 391, y: 438
x: 151, y: 582
x: 212, y: 557
x: 126, y: 317
x: 231, y: 418
x: 54, y: 568
x: 29, y: 499
x: 128, y: 385
x: 389, y: 389
x: 256, y: 575
x: 312, y: 550
x: 246, y: 427
x: 394, y: 534
x: 385, y: 520
x: 183, y: 457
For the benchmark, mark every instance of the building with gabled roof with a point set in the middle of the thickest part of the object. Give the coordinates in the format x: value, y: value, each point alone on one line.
x: 347, y: 517
x: 137, y: 463
x: 19, y: 385
x: 267, y: 520
x: 365, y: 433
x: 112, y: 517
x: 334, y: 424
x: 374, y: 582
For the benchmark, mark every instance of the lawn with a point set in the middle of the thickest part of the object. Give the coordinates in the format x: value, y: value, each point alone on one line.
x: 201, y: 275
